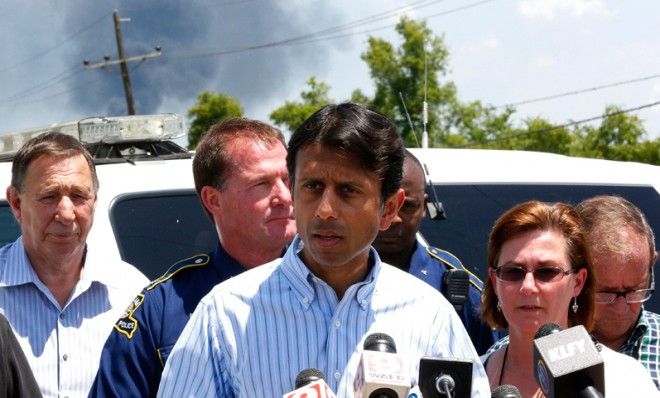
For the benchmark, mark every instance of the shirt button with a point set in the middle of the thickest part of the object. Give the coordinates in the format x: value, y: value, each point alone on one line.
x: 337, y: 376
x: 305, y: 300
x: 363, y: 301
x: 337, y: 324
x: 65, y: 357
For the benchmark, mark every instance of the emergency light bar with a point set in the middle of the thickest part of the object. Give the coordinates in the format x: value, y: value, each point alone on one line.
x: 110, y: 130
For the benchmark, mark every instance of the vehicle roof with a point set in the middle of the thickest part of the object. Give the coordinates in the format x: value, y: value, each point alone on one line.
x: 525, y: 167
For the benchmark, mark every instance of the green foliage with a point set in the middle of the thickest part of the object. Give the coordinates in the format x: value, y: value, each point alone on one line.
x: 210, y: 108
x: 620, y: 136
x: 293, y: 113
x: 400, y: 72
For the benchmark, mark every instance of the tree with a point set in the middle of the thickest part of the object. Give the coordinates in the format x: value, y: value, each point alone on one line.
x: 620, y: 136
x: 293, y: 113
x: 415, y: 68
x: 210, y: 109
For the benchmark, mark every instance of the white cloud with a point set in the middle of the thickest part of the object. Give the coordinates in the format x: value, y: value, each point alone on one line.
x: 491, y: 43
x: 544, y: 61
x: 551, y: 9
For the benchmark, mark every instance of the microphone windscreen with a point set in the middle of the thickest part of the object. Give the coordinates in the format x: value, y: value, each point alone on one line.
x: 505, y: 391
x: 379, y: 342
x: 308, y: 376
x: 547, y: 329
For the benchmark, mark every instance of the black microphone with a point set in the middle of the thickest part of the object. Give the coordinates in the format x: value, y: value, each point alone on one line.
x: 567, y: 364
x: 310, y: 383
x: 505, y: 391
x: 308, y: 376
x: 381, y: 372
x: 456, y: 284
x: 445, y: 378
x: 547, y: 329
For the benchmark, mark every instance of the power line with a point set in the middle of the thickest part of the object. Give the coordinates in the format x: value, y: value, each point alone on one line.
x: 95, y: 22
x: 42, y: 53
x: 568, y: 124
x: 59, y: 78
x: 329, y: 33
x: 71, y: 89
x: 581, y: 91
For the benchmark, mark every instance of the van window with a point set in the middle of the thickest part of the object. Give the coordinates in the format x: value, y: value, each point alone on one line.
x: 471, y: 211
x: 155, y: 230
x: 9, y: 228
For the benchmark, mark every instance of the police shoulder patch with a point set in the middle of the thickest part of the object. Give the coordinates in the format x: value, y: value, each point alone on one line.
x: 198, y: 260
x: 453, y: 262
x: 126, y: 324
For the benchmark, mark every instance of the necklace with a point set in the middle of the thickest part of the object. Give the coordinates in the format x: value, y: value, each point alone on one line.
x: 506, y: 352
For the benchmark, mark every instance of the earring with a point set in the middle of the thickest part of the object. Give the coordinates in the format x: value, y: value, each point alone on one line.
x: 574, y: 307
x: 499, y: 306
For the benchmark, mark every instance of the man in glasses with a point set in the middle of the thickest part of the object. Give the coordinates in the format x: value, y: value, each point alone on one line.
x: 623, y: 251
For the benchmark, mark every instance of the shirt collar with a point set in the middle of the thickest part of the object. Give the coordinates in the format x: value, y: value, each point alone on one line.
x: 302, y: 279
x: 418, y: 259
x: 16, y: 268
x: 225, y: 265
x: 640, y: 328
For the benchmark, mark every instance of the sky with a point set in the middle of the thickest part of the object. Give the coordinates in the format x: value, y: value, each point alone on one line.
x: 263, y: 51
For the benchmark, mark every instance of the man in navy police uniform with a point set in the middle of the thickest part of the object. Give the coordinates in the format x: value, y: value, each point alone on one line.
x: 242, y: 180
x: 398, y: 246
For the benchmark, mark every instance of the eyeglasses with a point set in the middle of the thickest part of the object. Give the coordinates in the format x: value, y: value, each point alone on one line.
x: 631, y: 296
x: 513, y: 273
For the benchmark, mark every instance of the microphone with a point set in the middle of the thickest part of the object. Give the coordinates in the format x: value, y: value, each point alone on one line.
x: 505, y: 391
x: 381, y: 372
x: 308, y: 376
x: 445, y: 378
x: 456, y: 284
x: 567, y: 363
x: 310, y: 383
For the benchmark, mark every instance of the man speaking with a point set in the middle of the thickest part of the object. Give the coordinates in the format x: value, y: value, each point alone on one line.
x: 313, y: 309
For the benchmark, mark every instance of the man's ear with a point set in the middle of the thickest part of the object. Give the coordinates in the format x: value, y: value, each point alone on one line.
x: 14, y: 199
x: 391, y: 208
x: 210, y: 198
x: 426, y: 203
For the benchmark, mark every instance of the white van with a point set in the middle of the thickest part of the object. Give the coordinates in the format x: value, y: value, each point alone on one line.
x: 148, y: 213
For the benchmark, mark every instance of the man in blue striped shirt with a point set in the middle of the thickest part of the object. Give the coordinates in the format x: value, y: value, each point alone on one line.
x: 252, y: 334
x: 60, y: 295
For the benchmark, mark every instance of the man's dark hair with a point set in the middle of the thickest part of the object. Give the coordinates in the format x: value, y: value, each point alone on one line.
x: 354, y: 130
x: 57, y: 145
x: 213, y: 163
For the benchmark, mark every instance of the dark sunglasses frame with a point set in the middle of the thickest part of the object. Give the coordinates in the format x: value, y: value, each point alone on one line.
x: 545, y: 274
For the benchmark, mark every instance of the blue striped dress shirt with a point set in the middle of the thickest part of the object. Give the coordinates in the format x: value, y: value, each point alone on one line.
x: 63, y: 345
x: 254, y: 333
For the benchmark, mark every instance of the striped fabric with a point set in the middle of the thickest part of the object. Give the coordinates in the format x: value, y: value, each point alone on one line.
x: 63, y: 346
x: 253, y: 334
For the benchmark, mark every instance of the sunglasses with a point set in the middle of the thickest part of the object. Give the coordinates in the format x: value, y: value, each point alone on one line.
x: 514, y: 273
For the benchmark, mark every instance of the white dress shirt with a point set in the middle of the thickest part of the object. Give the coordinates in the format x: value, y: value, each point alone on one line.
x: 254, y: 333
x: 63, y: 345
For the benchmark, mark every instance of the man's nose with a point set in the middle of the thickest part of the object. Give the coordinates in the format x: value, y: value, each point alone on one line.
x: 326, y: 207
x: 65, y: 210
x: 281, y: 194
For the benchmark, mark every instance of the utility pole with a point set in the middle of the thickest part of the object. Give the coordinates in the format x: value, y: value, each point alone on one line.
x: 123, y: 61
x: 124, y: 68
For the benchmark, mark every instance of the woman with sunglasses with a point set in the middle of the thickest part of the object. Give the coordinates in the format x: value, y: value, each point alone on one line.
x: 539, y: 271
